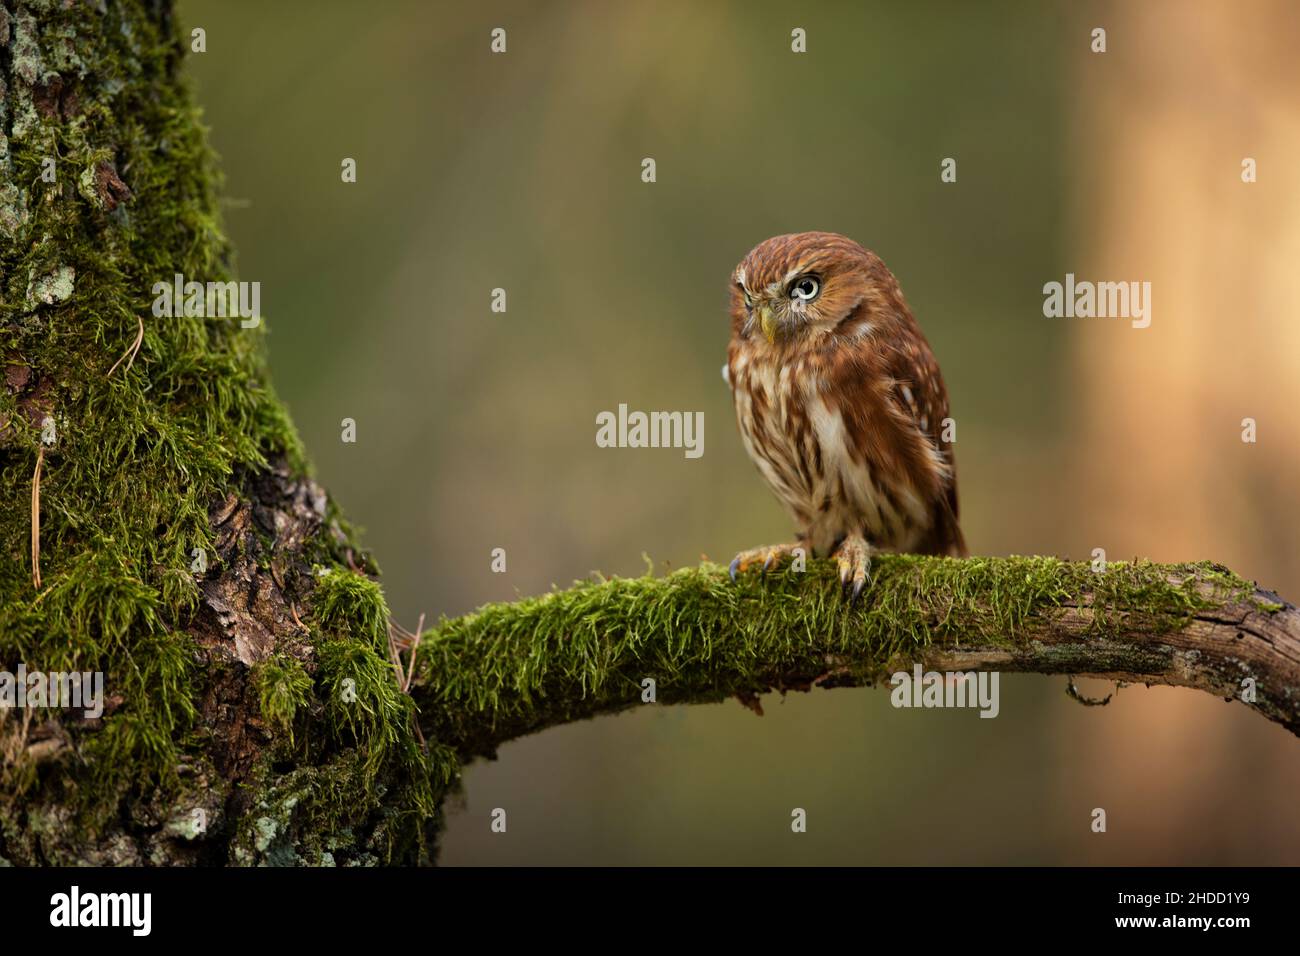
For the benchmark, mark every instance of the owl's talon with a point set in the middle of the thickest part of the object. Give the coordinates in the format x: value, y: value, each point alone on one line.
x: 854, y: 559
x: 770, y: 557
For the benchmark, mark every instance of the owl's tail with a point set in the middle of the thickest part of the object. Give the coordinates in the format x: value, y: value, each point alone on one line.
x: 945, y: 536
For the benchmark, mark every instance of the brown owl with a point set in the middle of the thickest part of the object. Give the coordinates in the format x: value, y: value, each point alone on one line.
x: 840, y: 404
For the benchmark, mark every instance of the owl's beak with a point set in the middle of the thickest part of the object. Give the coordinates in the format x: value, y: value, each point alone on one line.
x: 767, y: 322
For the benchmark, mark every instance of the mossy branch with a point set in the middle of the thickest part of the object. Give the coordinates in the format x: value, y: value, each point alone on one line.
x: 512, y: 669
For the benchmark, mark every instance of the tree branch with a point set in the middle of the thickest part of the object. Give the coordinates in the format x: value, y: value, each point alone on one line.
x: 512, y: 669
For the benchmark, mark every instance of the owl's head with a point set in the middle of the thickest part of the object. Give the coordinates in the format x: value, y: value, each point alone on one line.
x: 800, y: 286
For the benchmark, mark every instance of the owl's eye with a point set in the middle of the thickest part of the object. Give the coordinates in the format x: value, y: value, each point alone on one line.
x: 805, y: 288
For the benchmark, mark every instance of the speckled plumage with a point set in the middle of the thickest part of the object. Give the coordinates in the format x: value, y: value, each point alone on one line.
x: 840, y: 401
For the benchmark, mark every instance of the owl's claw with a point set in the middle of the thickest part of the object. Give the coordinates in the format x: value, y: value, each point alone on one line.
x: 770, y: 556
x: 854, y: 559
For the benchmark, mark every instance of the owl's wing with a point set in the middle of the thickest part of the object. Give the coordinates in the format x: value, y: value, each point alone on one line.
x: 919, y: 390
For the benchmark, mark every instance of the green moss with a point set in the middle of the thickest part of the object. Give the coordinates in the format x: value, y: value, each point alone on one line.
x: 350, y: 603
x: 362, y: 701
x: 363, y: 704
x: 284, y: 688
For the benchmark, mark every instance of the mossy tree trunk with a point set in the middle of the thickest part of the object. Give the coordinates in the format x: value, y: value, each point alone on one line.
x: 258, y: 707
x: 125, y: 471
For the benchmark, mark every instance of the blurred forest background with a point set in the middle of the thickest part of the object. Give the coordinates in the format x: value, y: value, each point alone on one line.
x: 476, y: 430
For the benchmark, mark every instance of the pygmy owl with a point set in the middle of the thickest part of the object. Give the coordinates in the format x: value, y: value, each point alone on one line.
x: 841, y: 405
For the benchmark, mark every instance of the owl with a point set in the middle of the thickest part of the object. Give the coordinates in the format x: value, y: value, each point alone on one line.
x: 841, y: 405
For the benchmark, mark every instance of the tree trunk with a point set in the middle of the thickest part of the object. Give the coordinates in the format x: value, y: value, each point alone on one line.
x: 158, y: 522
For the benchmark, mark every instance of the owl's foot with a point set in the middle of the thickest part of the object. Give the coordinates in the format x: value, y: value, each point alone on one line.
x: 770, y: 557
x: 854, y: 559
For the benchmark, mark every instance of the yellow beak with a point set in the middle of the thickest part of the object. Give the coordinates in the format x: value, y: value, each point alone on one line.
x: 767, y: 322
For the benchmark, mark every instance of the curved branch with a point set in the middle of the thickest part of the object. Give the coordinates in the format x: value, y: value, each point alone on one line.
x: 512, y: 669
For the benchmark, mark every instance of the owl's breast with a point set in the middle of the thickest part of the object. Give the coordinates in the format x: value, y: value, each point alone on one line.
x: 776, y: 430
x: 797, y: 434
